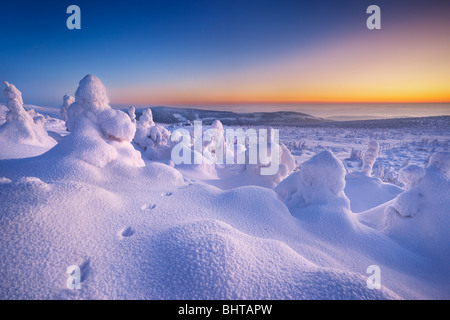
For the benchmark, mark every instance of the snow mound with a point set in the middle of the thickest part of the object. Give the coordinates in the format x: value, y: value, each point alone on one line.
x: 317, y: 187
x: 4, y: 180
x: 411, y: 176
x: 440, y: 161
x: 420, y: 216
x: 365, y: 192
x: 20, y: 127
x: 99, y: 134
x: 209, y: 259
x: 143, y: 233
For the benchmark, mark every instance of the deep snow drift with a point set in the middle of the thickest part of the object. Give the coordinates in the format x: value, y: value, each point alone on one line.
x: 142, y: 229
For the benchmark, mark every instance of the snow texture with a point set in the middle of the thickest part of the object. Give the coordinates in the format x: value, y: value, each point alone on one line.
x: 140, y: 229
x: 154, y: 139
x: 318, y: 188
x: 420, y: 216
x: 370, y: 156
x: 132, y: 113
x: 365, y: 192
x: 67, y: 101
x: 99, y: 134
x: 20, y: 127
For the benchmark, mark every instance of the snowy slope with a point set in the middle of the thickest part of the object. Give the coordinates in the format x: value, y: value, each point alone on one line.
x: 157, y: 236
x: 141, y: 229
x: 367, y: 192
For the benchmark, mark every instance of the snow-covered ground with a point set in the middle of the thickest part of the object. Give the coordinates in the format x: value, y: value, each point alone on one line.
x: 107, y: 197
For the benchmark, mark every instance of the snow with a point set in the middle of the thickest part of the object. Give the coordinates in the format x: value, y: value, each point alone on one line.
x: 419, y: 217
x: 317, y: 191
x: 370, y: 157
x: 107, y: 197
x: 211, y: 259
x: 368, y: 192
x: 99, y: 134
x: 411, y: 176
x: 67, y: 101
x: 152, y: 138
x: 20, y: 128
x: 440, y: 161
x: 132, y: 113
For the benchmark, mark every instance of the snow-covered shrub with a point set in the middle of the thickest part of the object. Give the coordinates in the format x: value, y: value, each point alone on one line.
x: 154, y: 139
x: 420, y: 215
x: 132, y: 113
x: 196, y: 150
x: 146, y: 118
x: 20, y: 127
x: 356, y: 154
x: 319, y: 183
x: 14, y: 103
x: 214, y: 142
x: 286, y: 161
x: 441, y: 161
x: 256, y: 166
x: 411, y: 176
x: 67, y: 101
x: 39, y: 120
x: 100, y: 134
x: 370, y: 156
x: 116, y: 125
x: 390, y: 175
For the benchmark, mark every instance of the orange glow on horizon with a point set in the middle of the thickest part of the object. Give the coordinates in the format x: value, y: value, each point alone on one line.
x: 394, y: 66
x: 286, y: 100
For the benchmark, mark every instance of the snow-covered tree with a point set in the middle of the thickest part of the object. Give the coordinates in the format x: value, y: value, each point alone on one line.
x: 20, y: 127
x: 370, y: 156
x: 321, y: 178
x: 67, y: 101
x: 154, y: 139
x: 318, y: 189
x: 146, y: 118
x: 214, y: 142
x: 284, y: 164
x: 132, y: 113
x: 411, y: 176
x: 420, y: 215
x: 356, y: 154
x: 100, y: 134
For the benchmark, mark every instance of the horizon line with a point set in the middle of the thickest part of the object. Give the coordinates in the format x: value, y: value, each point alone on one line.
x: 237, y: 103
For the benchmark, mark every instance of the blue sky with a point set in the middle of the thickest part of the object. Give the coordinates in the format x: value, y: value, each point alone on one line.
x: 166, y: 52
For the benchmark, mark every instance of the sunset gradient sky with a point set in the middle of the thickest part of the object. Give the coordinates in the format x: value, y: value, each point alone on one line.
x: 216, y: 53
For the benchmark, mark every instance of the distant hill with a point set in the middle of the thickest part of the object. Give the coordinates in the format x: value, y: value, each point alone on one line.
x: 176, y: 115
x: 442, y: 122
x: 360, y: 117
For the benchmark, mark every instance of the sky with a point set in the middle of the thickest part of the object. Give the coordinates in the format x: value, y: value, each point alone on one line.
x: 231, y: 54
